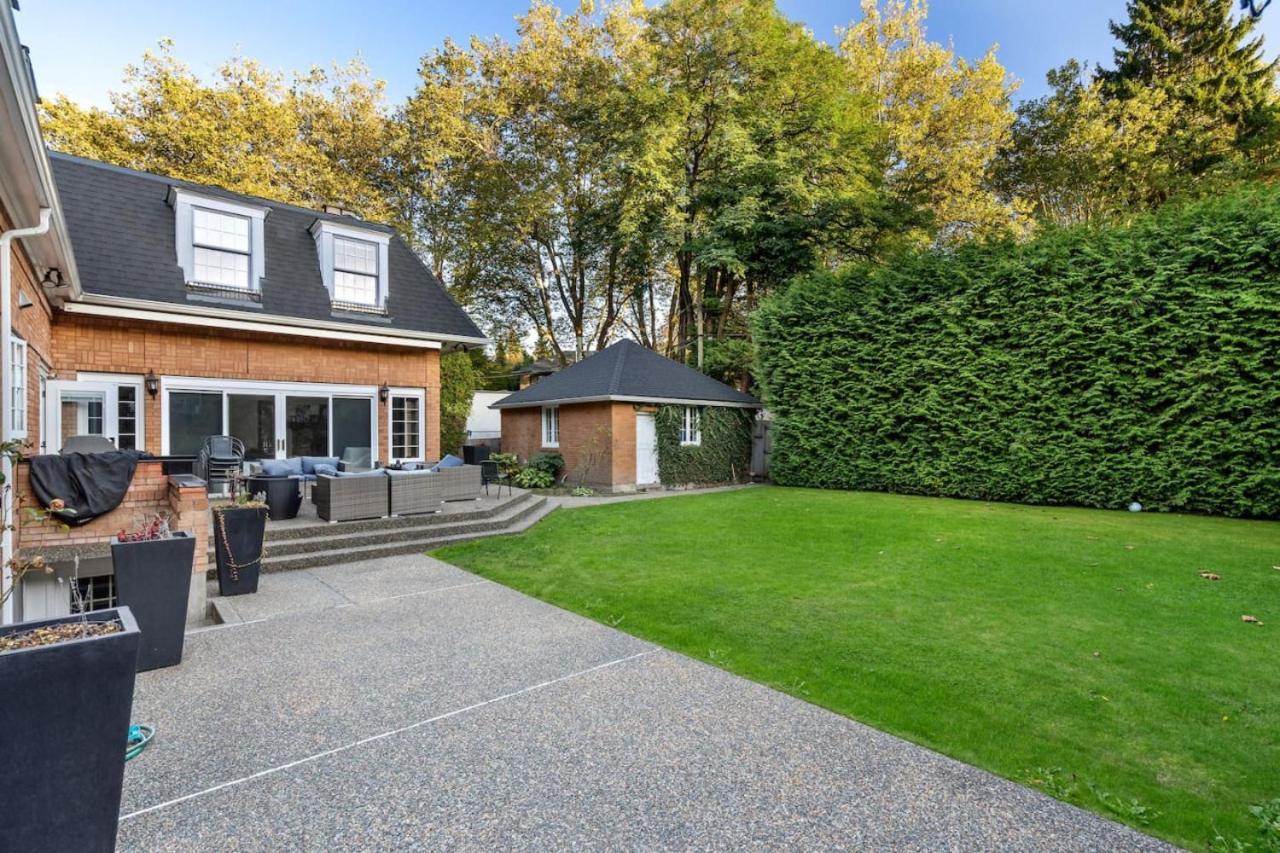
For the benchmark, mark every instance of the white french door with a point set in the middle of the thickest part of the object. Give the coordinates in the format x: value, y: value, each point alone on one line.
x: 110, y: 408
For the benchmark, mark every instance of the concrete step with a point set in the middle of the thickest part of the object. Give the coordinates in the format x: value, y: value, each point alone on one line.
x: 322, y: 528
x: 336, y: 536
x: 408, y: 541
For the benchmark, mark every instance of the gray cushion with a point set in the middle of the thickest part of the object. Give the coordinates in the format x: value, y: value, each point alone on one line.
x: 282, y: 467
x: 309, y: 463
x: 449, y: 461
x: 323, y: 468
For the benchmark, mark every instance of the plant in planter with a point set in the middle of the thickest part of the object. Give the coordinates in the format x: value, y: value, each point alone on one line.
x: 238, y: 530
x: 507, y: 463
x: 64, y: 712
x: 152, y: 567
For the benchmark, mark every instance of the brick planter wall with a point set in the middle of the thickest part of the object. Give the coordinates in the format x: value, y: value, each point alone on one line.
x: 150, y: 492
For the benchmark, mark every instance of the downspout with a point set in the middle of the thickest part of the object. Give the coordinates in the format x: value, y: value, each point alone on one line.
x: 6, y: 383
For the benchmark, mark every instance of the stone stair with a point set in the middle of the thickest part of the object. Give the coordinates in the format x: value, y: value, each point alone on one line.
x: 321, y: 544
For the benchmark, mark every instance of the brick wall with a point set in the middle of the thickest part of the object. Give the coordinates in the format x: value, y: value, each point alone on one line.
x: 104, y: 345
x: 149, y: 493
x: 610, y: 427
x: 32, y: 324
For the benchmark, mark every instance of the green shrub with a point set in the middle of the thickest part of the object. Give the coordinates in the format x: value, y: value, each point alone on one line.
x: 548, y: 463
x: 507, y: 463
x: 535, y: 478
x: 722, y: 456
x: 1091, y: 366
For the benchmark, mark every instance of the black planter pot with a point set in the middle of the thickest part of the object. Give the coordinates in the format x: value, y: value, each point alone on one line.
x: 153, y: 579
x: 237, y: 547
x: 64, y: 721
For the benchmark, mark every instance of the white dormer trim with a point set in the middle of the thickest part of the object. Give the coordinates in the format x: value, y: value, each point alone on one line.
x: 183, y: 200
x: 324, y: 231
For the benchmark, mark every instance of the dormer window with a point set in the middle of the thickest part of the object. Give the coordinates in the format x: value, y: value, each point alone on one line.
x: 353, y: 264
x: 355, y: 271
x: 220, y: 243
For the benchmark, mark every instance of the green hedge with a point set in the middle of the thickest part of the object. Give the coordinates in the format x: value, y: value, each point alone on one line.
x: 1092, y: 366
x: 722, y: 456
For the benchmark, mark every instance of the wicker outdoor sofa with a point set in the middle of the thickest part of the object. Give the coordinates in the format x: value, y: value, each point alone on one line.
x: 423, y: 491
x: 383, y: 493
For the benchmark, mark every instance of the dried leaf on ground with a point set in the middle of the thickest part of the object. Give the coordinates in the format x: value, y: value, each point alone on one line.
x: 1253, y: 620
x: 1210, y: 576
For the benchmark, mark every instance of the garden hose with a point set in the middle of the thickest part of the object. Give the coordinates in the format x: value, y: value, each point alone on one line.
x: 140, y: 737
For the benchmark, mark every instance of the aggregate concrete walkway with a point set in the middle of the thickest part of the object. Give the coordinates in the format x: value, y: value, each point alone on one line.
x: 461, y: 714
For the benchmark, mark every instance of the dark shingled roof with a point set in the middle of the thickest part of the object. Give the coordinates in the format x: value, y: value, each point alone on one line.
x: 122, y: 231
x: 627, y: 371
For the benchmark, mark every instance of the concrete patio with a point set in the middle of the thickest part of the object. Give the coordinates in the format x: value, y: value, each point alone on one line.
x: 405, y: 704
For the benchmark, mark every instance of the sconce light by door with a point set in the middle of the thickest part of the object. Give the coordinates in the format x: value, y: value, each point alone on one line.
x: 152, y: 382
x: 383, y: 393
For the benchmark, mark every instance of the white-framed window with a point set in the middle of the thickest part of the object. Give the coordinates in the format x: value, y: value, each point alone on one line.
x: 550, y: 426
x: 353, y: 264
x: 691, y: 426
x: 221, y: 248
x: 355, y: 271
x: 18, y: 388
x: 407, y: 425
x: 220, y: 243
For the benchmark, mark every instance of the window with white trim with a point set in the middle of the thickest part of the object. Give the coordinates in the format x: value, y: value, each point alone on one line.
x: 691, y: 426
x: 18, y: 388
x: 406, y: 427
x: 222, y: 248
x: 355, y: 271
x: 551, y: 426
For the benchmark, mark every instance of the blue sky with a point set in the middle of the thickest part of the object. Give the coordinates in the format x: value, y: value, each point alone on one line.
x: 79, y: 47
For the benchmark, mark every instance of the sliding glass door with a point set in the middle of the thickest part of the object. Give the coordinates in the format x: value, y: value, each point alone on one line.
x: 252, y: 419
x: 304, y: 420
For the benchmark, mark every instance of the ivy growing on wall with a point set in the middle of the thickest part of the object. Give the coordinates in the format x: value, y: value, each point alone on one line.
x: 723, y: 456
x: 1092, y: 366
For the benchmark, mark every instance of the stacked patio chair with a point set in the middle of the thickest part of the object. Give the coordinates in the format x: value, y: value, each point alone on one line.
x: 219, y: 461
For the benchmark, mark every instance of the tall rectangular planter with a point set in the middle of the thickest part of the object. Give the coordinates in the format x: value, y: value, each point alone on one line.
x: 153, y: 579
x: 64, y: 722
x: 237, y: 548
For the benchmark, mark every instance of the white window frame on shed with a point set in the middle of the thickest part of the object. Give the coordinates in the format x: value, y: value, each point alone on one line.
x: 412, y: 394
x: 326, y: 234
x: 185, y: 203
x: 691, y: 426
x: 550, y: 426
x: 18, y: 388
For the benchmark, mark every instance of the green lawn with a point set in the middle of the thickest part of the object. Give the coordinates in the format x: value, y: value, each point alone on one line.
x: 1021, y: 639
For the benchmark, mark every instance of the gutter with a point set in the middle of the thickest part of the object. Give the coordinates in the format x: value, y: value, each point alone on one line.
x: 170, y: 312
x: 624, y: 398
x: 7, y: 552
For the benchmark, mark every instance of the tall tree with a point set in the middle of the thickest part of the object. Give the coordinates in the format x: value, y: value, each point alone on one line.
x: 1203, y: 57
x: 772, y: 159
x: 944, y: 118
x: 316, y: 142
x: 1076, y: 156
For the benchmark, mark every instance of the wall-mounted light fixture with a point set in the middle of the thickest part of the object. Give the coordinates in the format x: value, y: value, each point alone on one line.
x: 383, y: 393
x: 152, y: 382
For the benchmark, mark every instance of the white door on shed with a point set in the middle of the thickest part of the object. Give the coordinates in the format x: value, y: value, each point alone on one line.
x: 646, y: 450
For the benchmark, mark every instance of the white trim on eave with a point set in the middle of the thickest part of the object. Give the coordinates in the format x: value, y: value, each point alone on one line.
x: 616, y: 398
x: 26, y: 179
x: 224, y: 318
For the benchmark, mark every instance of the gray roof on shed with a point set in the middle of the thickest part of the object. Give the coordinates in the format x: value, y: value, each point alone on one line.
x: 627, y: 371
x: 122, y: 232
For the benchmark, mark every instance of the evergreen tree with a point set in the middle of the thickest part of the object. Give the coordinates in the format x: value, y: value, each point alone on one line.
x: 1204, y: 58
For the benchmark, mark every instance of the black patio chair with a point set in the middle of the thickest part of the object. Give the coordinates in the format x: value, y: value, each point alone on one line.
x: 491, y: 473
